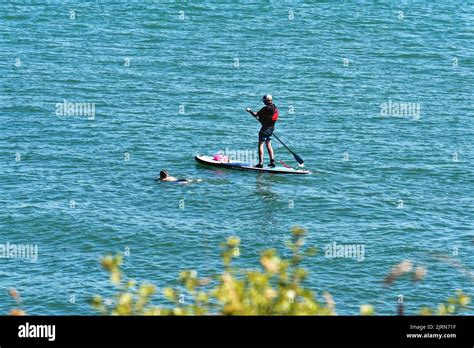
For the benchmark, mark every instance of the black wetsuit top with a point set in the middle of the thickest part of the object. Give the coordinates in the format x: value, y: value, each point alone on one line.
x: 268, y: 116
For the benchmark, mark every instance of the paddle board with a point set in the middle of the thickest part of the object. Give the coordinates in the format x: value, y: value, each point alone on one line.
x: 207, y: 160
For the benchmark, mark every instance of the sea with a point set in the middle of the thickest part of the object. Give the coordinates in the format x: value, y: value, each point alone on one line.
x: 97, y: 97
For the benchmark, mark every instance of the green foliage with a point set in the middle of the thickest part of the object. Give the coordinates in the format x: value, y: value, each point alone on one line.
x: 274, y: 289
x: 130, y: 298
x: 14, y: 294
x: 453, y: 305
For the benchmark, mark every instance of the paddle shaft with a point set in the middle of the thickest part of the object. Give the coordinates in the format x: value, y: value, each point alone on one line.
x: 284, y: 145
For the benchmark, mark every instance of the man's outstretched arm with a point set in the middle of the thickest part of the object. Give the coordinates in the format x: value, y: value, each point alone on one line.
x: 253, y: 113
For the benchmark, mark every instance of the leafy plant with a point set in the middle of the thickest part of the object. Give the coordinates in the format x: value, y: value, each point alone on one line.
x: 453, y: 305
x: 16, y: 296
x: 275, y: 289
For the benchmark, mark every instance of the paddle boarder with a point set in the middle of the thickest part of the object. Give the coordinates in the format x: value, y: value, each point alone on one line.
x: 164, y: 176
x: 267, y: 116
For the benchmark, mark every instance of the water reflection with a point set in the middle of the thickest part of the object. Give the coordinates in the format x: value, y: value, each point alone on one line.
x: 264, y: 187
x: 268, y: 206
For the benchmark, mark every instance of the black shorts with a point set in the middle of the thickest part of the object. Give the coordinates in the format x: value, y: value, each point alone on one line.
x: 265, y: 134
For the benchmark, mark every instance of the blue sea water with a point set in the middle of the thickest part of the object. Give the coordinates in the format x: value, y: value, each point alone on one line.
x: 171, y: 79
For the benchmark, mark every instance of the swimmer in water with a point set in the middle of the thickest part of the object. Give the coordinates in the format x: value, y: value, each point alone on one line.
x: 164, y: 176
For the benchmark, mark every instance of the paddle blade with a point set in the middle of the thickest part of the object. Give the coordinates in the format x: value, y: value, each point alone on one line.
x: 298, y: 159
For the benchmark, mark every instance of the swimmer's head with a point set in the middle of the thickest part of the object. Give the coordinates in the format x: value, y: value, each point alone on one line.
x: 163, y: 174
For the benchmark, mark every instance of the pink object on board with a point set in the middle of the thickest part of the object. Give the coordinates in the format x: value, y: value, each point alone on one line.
x: 220, y: 158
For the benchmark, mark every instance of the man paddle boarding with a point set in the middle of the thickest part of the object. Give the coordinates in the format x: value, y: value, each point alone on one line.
x: 267, y: 116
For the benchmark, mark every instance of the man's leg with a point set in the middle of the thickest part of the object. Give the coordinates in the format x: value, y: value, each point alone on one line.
x: 270, y: 151
x: 260, y: 152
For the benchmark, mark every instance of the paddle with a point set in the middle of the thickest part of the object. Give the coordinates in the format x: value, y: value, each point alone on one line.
x: 297, y: 158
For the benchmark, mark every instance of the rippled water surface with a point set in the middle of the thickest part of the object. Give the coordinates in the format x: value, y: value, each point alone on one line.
x: 168, y: 84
